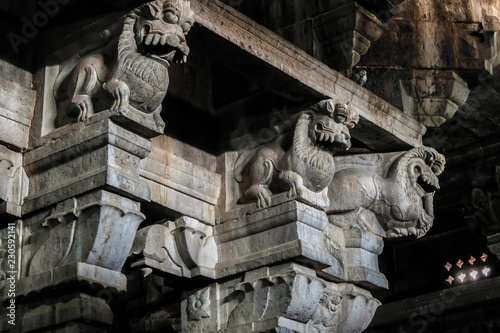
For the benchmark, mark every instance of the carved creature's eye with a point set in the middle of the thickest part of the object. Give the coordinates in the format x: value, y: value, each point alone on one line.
x: 186, y: 26
x: 171, y: 17
x: 339, y: 118
x: 350, y: 124
x: 436, y: 168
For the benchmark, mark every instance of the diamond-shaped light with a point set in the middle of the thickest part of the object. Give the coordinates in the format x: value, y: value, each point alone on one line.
x: 448, y: 266
x: 483, y: 257
x: 472, y: 260
x: 460, y: 263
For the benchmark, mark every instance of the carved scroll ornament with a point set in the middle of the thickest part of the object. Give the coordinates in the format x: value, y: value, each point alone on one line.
x: 300, y: 162
x: 185, y: 247
x: 128, y: 65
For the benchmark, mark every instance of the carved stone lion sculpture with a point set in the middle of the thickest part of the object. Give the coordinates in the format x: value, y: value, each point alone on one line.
x: 300, y: 162
x: 401, y: 200
x: 129, y: 64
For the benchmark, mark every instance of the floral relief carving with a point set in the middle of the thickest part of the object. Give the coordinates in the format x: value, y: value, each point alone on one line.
x: 198, y: 305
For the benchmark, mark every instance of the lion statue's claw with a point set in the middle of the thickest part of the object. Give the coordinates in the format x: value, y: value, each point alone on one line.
x: 81, y: 107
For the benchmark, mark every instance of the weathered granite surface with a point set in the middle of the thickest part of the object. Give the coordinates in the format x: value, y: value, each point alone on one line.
x: 221, y: 233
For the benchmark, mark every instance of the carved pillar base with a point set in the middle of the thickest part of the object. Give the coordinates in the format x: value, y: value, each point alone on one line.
x: 286, y: 298
x: 80, y: 245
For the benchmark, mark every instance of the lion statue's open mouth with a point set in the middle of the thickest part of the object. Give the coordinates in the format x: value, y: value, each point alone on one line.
x: 327, y: 139
x: 423, y: 168
x: 161, y: 36
x: 129, y: 66
x: 400, y: 200
x: 327, y: 135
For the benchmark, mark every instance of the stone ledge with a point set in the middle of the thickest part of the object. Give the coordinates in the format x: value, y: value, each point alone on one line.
x: 305, y: 78
x: 247, y: 220
x: 288, y: 230
x: 169, y: 199
x: 104, y: 277
x: 99, y: 155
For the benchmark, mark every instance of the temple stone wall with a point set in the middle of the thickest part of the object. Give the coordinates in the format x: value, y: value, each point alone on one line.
x: 236, y: 166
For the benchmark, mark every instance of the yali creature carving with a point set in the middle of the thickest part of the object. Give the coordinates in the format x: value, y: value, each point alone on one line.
x: 401, y: 200
x: 128, y: 65
x: 300, y: 162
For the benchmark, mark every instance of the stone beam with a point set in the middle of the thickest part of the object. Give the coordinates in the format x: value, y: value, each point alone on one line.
x: 260, y: 55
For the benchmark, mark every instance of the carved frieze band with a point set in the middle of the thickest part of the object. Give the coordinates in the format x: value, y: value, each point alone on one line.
x: 287, y: 297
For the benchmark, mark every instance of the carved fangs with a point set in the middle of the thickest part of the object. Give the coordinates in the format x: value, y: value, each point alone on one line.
x: 426, y: 183
x: 164, y: 46
x: 326, y: 139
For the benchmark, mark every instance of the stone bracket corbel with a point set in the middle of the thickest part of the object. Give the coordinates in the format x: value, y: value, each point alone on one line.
x: 433, y: 96
x: 346, y: 33
x: 478, y: 44
x: 86, y: 238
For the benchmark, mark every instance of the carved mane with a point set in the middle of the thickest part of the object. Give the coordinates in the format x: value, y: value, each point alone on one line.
x: 145, y: 68
x: 304, y: 148
x: 398, y: 169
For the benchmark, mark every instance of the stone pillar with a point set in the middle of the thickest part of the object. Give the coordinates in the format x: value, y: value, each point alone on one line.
x: 79, y: 223
x: 99, y: 108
